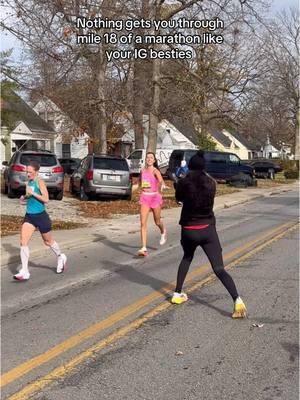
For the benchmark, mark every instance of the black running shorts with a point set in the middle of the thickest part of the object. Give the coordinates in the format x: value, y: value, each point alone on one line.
x: 41, y: 221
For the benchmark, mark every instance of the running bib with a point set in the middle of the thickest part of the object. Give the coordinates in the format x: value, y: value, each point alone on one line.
x: 146, y: 184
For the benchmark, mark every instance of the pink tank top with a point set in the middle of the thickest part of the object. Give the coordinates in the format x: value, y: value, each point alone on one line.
x: 149, y: 182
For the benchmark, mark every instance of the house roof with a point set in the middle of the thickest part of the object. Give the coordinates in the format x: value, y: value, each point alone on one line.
x: 220, y: 137
x: 247, y: 143
x: 185, y: 128
x: 23, y: 112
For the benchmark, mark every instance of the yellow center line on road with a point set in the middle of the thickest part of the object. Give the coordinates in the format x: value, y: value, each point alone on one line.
x: 62, y: 371
x: 120, y: 315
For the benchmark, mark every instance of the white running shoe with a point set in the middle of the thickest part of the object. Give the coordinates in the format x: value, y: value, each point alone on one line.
x: 143, y: 252
x: 61, y: 264
x: 163, y: 238
x: 22, y: 276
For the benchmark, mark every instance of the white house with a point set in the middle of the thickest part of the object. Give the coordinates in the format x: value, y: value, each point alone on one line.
x: 29, y: 131
x: 69, y: 141
x: 168, y: 135
x: 268, y: 150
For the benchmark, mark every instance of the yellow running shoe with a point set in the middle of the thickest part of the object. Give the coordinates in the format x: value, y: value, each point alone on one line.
x: 240, y: 310
x: 179, y: 298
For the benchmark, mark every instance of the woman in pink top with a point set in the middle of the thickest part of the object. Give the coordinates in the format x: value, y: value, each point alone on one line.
x: 151, y: 183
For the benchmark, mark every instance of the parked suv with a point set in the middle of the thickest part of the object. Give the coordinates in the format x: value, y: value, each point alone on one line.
x: 51, y: 172
x: 220, y: 165
x: 264, y: 168
x: 103, y: 175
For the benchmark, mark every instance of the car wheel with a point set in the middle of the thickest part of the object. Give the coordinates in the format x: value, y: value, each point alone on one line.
x: 11, y: 194
x: 59, y: 195
x: 82, y: 195
x: 128, y: 197
x: 271, y: 174
x: 5, y: 188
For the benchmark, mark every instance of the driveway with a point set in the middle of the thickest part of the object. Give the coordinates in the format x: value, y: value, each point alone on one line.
x: 65, y: 209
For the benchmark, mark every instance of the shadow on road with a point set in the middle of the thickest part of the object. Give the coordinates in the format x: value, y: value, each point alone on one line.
x: 118, y: 246
x: 133, y: 275
x: 209, y: 303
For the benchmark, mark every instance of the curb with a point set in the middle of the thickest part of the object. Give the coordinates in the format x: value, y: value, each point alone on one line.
x: 237, y: 202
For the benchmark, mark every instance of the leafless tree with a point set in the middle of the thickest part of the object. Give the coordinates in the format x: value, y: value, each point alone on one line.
x: 48, y: 30
x: 272, y: 106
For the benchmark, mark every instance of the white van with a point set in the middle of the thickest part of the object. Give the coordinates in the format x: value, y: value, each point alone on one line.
x: 136, y: 160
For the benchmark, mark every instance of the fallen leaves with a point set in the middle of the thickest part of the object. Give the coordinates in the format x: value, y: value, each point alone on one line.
x: 258, y: 325
x: 11, y: 224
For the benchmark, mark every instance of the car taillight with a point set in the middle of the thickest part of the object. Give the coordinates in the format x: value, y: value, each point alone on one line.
x: 90, y: 175
x: 18, y: 168
x: 57, y: 170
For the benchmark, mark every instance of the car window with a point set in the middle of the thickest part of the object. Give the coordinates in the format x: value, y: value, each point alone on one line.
x: 12, y: 160
x: 135, y: 155
x: 177, y: 155
x: 218, y: 158
x: 234, y: 159
x: 45, y: 160
x: 110, y: 163
x: 189, y: 154
x: 85, y: 163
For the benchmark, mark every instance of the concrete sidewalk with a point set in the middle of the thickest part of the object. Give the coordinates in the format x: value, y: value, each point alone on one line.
x: 80, y: 237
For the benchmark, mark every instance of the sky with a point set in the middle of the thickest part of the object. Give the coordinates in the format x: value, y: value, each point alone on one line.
x: 8, y: 41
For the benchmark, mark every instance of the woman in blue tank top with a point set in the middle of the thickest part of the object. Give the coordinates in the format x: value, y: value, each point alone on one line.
x: 36, y: 218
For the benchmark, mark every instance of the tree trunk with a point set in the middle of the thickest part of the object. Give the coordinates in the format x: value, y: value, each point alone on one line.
x: 154, y: 113
x: 138, y: 104
x: 102, y: 105
x: 139, y: 87
x: 297, y: 144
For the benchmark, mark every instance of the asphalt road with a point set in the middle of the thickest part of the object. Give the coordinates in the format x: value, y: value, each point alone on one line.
x: 48, y: 321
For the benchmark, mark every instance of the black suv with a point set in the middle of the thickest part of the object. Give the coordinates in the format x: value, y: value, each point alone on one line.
x: 263, y: 168
x: 220, y: 165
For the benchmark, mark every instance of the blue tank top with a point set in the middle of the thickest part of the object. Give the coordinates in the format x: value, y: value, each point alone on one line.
x: 33, y: 205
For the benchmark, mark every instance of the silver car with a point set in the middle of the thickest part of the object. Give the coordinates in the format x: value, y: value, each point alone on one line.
x: 51, y: 172
x: 102, y: 175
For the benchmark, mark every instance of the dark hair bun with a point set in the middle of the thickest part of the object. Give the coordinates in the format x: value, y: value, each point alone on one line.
x: 197, y: 162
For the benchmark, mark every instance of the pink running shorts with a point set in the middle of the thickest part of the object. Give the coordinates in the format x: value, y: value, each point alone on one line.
x: 151, y: 200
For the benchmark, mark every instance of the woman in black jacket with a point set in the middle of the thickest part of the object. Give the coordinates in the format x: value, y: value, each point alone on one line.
x: 197, y: 192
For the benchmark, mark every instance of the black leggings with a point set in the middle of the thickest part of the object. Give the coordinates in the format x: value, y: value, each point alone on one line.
x: 208, y: 239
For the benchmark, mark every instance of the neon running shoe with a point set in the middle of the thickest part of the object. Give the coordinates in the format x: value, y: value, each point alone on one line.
x: 240, y: 310
x: 163, y: 238
x: 22, y: 276
x: 143, y: 252
x: 61, y: 264
x: 179, y: 298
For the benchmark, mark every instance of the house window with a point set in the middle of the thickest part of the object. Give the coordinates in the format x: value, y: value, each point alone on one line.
x: 50, y: 119
x: 66, y: 151
x: 42, y: 115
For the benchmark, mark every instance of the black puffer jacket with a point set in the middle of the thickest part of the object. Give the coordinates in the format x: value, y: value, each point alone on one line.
x: 197, y: 193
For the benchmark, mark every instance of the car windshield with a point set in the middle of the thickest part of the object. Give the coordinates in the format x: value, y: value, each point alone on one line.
x: 45, y: 160
x: 110, y: 163
x: 189, y: 154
